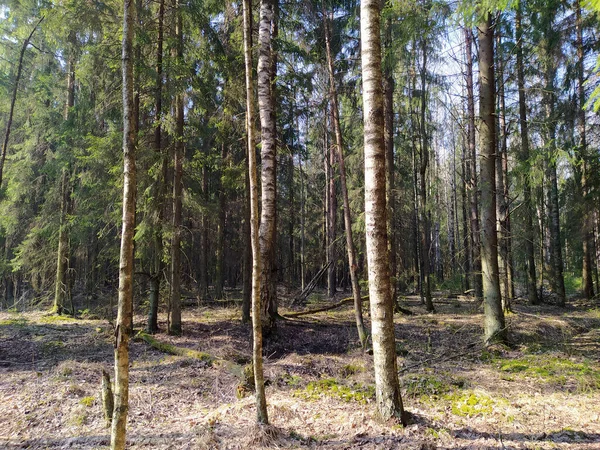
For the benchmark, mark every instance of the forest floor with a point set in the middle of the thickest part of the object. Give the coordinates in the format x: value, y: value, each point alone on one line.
x: 542, y: 392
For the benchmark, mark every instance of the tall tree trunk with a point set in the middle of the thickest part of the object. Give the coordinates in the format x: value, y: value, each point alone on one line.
x: 388, y: 107
x: 465, y: 217
x: 13, y: 99
x: 587, y: 227
x: 268, y: 172
x: 549, y: 133
x: 475, y: 234
x: 175, y: 324
x: 387, y: 388
x: 331, y: 214
x: 502, y: 186
x: 339, y: 145
x: 160, y: 187
x: 125, y: 305
x: 524, y: 160
x: 62, y: 260
x: 220, y: 244
x: 423, y: 216
x: 247, y: 274
x: 494, y: 328
x: 203, y: 282
x: 257, y: 360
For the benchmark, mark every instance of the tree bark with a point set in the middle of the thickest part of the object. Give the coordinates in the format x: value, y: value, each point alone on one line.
x: 268, y: 172
x: 156, y: 276
x: 125, y: 305
x: 175, y: 324
x: 257, y: 360
x: 62, y: 260
x: 494, y: 326
x: 387, y: 388
x: 423, y: 217
x: 549, y: 136
x: 502, y: 199
x: 587, y: 226
x: 524, y: 160
x: 472, y: 161
x: 388, y: 106
x: 339, y: 145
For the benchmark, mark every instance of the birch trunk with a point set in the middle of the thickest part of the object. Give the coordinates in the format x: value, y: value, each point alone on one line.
x: 257, y: 360
x: 125, y: 305
x: 387, y: 388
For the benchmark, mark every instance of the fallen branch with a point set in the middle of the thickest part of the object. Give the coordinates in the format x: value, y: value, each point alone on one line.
x: 324, y: 308
x: 174, y: 350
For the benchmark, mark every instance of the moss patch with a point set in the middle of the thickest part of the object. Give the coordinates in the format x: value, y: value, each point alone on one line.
x: 470, y: 403
x: 553, y: 369
x: 330, y: 387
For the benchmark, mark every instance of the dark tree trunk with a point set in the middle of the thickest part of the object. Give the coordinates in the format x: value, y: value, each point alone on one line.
x: 524, y: 160
x: 495, y: 329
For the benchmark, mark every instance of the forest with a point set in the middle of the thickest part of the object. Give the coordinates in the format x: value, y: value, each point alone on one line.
x: 299, y: 224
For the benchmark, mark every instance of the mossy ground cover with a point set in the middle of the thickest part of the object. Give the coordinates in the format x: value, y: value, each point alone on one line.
x: 539, y: 392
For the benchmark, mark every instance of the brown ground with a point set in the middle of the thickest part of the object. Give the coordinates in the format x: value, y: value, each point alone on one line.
x: 541, y: 393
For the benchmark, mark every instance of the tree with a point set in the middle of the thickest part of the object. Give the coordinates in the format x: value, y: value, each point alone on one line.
x: 495, y: 328
x: 125, y: 307
x: 266, y: 108
x: 175, y: 326
x: 261, y: 402
x: 362, y: 333
x: 525, y: 162
x: 387, y: 388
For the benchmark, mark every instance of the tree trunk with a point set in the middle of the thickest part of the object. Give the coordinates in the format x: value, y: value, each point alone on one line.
x: 423, y: 217
x: 62, y: 260
x: 549, y: 136
x: 472, y: 161
x: 502, y: 187
x: 125, y: 305
x: 339, y: 145
x: 220, y: 244
x: 494, y: 328
x: 331, y: 214
x: 387, y: 388
x: 157, y: 269
x: 268, y: 172
x: 257, y: 362
x: 388, y: 107
x: 587, y: 227
x: 175, y: 324
x: 524, y: 160
x: 14, y: 98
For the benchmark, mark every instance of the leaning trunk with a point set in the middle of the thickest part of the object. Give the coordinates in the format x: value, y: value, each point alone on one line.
x: 350, y: 250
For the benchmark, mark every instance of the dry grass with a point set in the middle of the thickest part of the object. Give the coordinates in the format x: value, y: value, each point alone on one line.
x: 542, y: 392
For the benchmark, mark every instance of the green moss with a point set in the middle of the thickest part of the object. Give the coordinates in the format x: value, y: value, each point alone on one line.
x: 14, y: 322
x: 554, y: 369
x: 351, y: 369
x: 330, y: 387
x: 470, y: 404
x: 55, y: 318
x: 87, y: 401
x: 291, y: 380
